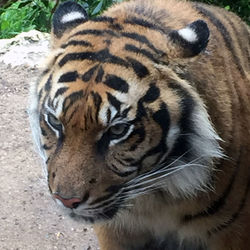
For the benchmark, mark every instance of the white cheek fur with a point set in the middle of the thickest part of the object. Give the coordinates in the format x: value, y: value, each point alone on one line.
x: 35, y: 125
x: 205, y: 148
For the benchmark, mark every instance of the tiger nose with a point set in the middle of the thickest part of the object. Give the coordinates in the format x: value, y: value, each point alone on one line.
x: 70, y: 203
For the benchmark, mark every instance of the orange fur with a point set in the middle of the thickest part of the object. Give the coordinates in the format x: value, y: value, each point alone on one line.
x: 217, y: 217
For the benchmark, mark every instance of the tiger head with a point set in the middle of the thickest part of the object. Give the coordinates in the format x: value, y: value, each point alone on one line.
x: 111, y: 115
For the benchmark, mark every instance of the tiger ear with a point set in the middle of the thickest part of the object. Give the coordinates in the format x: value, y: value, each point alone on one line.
x: 67, y: 16
x: 188, y: 41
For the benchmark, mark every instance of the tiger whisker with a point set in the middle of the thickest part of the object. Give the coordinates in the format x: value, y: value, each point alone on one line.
x: 160, y: 170
x: 155, y: 185
x: 146, y: 175
x: 158, y: 184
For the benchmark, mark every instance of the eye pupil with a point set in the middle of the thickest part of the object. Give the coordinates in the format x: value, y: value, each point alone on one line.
x: 54, y: 122
x: 118, y: 130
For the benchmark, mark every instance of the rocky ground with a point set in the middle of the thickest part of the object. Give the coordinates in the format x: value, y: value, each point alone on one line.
x: 29, y: 218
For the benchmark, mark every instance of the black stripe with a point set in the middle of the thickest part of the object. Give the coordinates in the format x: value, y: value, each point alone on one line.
x: 217, y: 204
x: 102, y: 144
x: 46, y: 162
x: 68, y: 77
x: 142, y: 39
x: 114, y: 102
x: 100, y: 74
x: 85, y: 197
x: 125, y: 112
x: 116, y: 83
x: 40, y: 94
x: 129, y: 160
x: 50, y: 102
x: 114, y: 169
x: 113, y: 188
x: 116, y: 26
x: 140, y: 70
x: 108, y: 114
x: 100, y: 56
x: 182, y: 145
x: 144, y: 52
x: 60, y: 91
x: 89, y: 114
x: 161, y: 117
x: 108, y: 42
x: 225, y: 34
x: 141, y: 134
x: 241, y: 32
x: 77, y: 43
x: 46, y: 147
x: 103, y: 19
x: 45, y: 72
x: 106, y: 19
x: 72, y: 114
x: 152, y: 94
x: 105, y: 203
x: 48, y: 84
x: 97, y: 102
x: 132, y: 35
x: 43, y: 132
x: 151, y: 13
x: 45, y: 123
x: 146, y: 24
x: 121, y: 162
x: 109, y: 212
x: 95, y: 32
x: 87, y: 75
x: 103, y: 198
x: 234, y: 215
x: 71, y: 99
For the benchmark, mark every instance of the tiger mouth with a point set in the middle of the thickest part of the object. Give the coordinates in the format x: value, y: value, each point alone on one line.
x: 102, y: 215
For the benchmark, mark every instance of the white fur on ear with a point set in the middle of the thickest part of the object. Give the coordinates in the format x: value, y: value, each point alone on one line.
x: 188, y: 34
x: 190, y: 40
x: 69, y: 17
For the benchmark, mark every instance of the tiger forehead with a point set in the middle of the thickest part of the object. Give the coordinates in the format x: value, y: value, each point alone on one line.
x: 111, y: 40
x: 103, y: 51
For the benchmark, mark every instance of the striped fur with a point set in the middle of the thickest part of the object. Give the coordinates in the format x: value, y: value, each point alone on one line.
x: 142, y: 115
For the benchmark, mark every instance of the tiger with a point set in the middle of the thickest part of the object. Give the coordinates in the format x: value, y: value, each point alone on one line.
x: 142, y: 118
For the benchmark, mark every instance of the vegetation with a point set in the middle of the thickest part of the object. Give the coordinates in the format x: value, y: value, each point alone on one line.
x: 240, y: 7
x: 23, y: 15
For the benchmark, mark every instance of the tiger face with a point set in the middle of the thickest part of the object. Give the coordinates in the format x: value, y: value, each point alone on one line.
x: 112, y: 118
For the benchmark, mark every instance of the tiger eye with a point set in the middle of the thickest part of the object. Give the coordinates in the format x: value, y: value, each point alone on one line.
x: 118, y: 129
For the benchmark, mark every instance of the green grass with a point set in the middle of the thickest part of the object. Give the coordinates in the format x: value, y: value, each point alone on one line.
x: 17, y: 16
x: 25, y: 15
x: 240, y: 7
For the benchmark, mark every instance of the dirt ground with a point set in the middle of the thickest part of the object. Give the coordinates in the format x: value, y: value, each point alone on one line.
x: 29, y: 218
